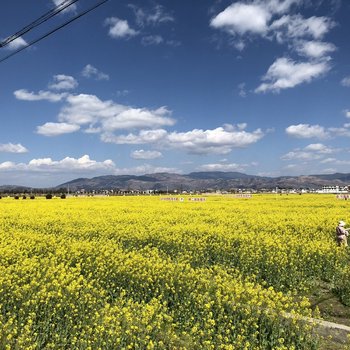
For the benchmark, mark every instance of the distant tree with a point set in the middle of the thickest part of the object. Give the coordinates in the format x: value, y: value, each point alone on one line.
x: 16, y: 197
x: 63, y: 196
x: 48, y: 196
x: 32, y: 197
x: 24, y: 197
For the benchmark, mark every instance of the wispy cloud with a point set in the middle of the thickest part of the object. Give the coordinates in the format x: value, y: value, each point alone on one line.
x: 26, y: 95
x: 346, y: 81
x: 151, y: 16
x: 63, y: 82
x: 12, y: 148
x: 141, y: 154
x: 89, y: 71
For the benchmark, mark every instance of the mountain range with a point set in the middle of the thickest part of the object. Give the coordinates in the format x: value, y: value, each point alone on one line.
x: 214, y: 180
x: 196, y: 181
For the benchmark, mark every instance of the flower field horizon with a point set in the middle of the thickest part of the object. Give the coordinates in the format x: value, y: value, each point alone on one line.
x: 136, y: 272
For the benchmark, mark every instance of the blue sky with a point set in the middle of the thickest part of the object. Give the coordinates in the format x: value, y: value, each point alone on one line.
x: 136, y: 87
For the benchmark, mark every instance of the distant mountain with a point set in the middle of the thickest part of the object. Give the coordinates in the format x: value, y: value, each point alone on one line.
x: 214, y: 180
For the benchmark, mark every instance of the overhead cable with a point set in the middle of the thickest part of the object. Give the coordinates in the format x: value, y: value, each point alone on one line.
x: 53, y: 30
x: 53, y: 12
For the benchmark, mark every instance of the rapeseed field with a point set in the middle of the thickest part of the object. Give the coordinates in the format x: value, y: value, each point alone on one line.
x: 135, y: 272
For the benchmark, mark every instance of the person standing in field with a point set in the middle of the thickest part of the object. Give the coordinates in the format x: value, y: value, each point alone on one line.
x: 342, y: 234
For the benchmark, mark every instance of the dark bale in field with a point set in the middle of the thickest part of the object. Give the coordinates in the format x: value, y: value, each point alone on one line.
x: 48, y: 196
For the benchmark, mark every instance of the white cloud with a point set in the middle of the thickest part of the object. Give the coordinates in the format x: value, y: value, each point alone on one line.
x: 335, y: 161
x: 240, y: 18
x: 197, y: 141
x: 70, y: 8
x: 152, y: 40
x: 295, y: 27
x: 63, y: 82
x: 139, y: 118
x: 26, y: 95
x: 307, y: 131
x: 346, y: 81
x: 143, y: 137
x: 285, y: 73
x: 347, y: 113
x: 55, y: 129
x: 245, y: 19
x: 318, y: 147
x: 141, y: 154
x: 342, y: 131
x: 89, y: 109
x: 16, y: 44
x: 12, y: 148
x: 314, y: 49
x: 119, y: 28
x: 155, y: 16
x: 252, y: 17
x: 90, y: 71
x: 242, y: 90
x: 67, y: 164
x: 311, y: 152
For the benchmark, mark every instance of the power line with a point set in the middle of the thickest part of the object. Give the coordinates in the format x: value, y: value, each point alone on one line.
x: 53, y: 12
x: 53, y: 30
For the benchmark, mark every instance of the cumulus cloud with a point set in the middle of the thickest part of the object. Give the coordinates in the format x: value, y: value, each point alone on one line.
x: 307, y: 131
x: 151, y: 16
x: 285, y: 73
x: 310, y: 152
x: 244, y: 20
x: 67, y: 164
x: 55, y: 129
x: 90, y: 71
x: 240, y: 18
x: 346, y: 81
x: 89, y: 109
x: 63, y: 82
x: 26, y: 95
x: 12, y: 148
x: 119, y: 28
x: 197, y: 141
x: 141, y: 154
x: 59, y: 170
